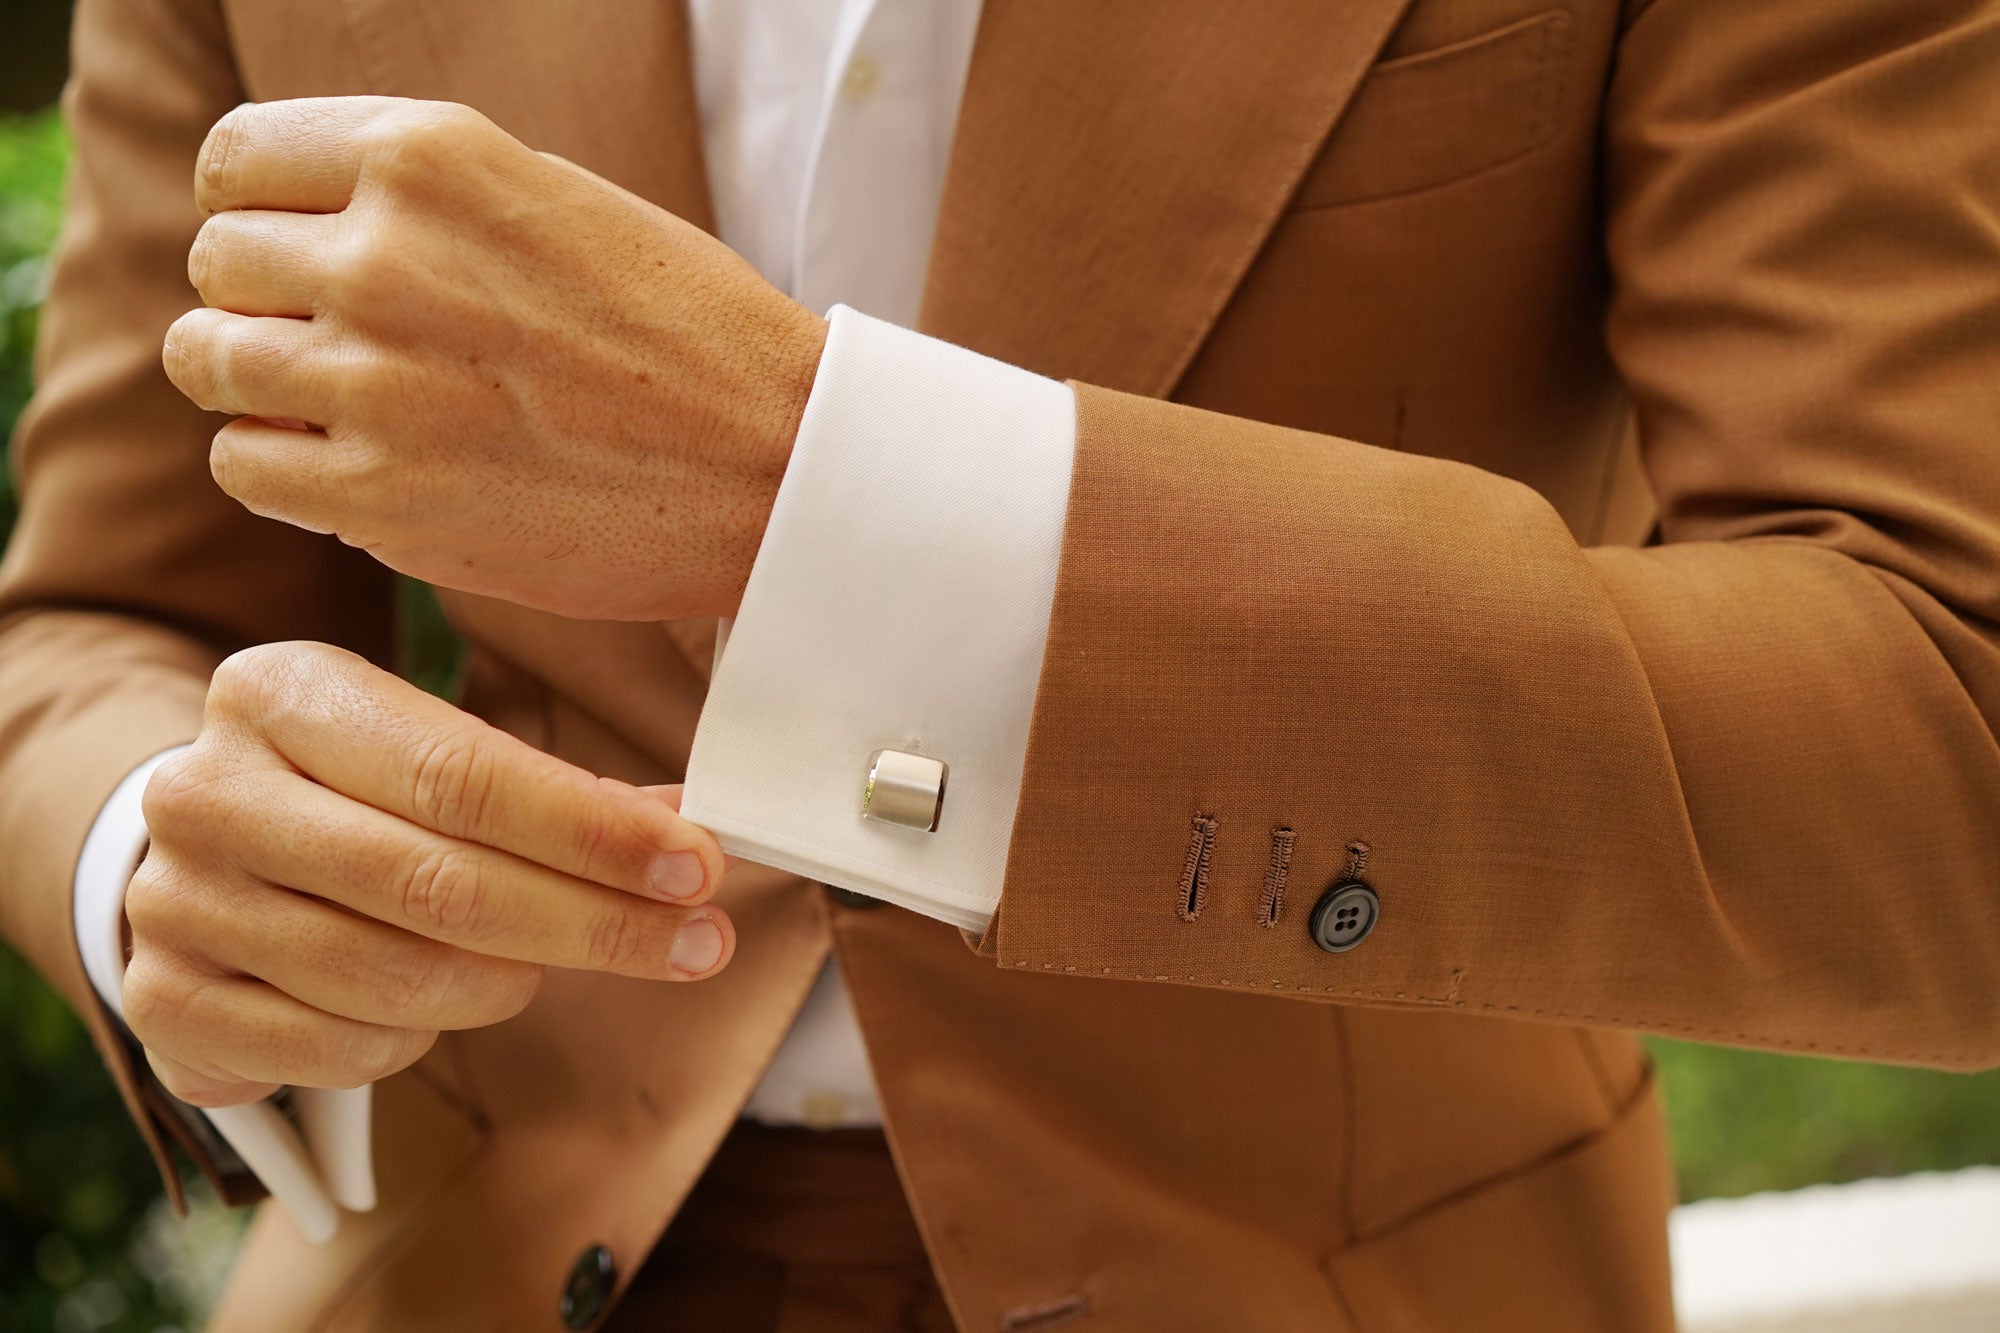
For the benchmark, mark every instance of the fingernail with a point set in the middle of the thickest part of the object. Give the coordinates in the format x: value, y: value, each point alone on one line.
x: 697, y: 948
x: 676, y: 875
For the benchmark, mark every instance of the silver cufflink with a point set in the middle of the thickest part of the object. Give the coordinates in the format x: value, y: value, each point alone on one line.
x: 906, y: 790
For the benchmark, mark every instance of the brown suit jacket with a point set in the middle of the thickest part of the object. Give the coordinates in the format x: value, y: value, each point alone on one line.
x: 1498, y: 274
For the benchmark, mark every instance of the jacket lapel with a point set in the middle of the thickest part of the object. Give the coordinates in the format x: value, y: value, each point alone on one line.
x: 1116, y: 168
x: 1118, y: 165
x: 604, y: 83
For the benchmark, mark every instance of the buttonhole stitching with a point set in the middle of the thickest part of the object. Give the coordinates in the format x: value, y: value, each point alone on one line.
x: 1273, y: 902
x: 1194, y: 874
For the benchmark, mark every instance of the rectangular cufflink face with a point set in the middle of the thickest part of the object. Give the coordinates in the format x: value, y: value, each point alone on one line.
x: 903, y: 789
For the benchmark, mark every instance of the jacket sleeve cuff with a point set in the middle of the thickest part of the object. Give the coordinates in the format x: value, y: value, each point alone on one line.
x: 900, y: 601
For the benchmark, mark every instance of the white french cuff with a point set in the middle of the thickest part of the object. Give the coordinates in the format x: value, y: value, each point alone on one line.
x: 899, y: 602
x: 316, y: 1161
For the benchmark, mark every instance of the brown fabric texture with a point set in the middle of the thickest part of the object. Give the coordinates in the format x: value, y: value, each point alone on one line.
x: 1736, y: 787
x: 1391, y: 323
x: 790, y: 1231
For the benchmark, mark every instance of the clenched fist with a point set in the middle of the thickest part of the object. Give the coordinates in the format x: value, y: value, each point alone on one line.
x: 491, y: 369
x: 342, y: 866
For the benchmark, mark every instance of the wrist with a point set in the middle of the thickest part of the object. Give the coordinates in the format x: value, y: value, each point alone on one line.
x: 799, y: 343
x: 788, y: 365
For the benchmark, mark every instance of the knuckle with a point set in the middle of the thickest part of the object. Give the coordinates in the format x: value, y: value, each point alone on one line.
x: 441, y: 987
x: 364, y: 267
x: 275, y: 688
x: 212, y: 1094
x: 411, y: 1046
x: 419, y: 140
x: 418, y: 979
x: 216, y: 168
x: 202, y: 355
x: 596, y: 834
x: 255, y: 679
x: 224, y: 240
x: 443, y: 893
x: 154, y: 994
x: 201, y: 255
x: 497, y: 991
x: 140, y: 998
x: 372, y: 1056
x: 375, y: 490
x: 176, y: 795
x: 443, y: 125
x: 617, y: 832
x: 240, y: 355
x: 266, y: 679
x: 615, y: 942
x: 368, y: 377
x: 185, y: 1087
x: 187, y: 354
x: 453, y: 782
x: 412, y: 145
x: 518, y: 985
x: 463, y: 119
x: 150, y: 900
x: 202, y: 1091
x: 233, y: 473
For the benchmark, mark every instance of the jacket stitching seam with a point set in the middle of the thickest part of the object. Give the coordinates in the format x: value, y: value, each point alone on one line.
x: 1487, y: 1006
x: 1547, y: 99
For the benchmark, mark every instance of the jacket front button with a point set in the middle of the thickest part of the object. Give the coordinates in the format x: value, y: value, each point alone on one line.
x: 1343, y: 916
x: 588, y: 1290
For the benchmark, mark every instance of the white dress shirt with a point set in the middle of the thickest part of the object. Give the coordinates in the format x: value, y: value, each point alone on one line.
x: 901, y: 596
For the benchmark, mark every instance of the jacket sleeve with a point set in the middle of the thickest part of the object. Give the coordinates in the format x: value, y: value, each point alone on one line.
x: 1740, y: 786
x: 129, y: 573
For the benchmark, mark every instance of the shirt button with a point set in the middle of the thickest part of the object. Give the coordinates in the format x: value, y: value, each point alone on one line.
x: 1343, y: 916
x: 863, y: 74
x: 588, y: 1290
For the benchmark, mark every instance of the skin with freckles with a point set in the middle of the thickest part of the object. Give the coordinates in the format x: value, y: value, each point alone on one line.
x: 496, y: 372
x: 515, y: 378
x: 343, y: 866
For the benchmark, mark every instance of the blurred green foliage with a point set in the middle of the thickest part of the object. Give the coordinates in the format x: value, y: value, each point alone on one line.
x: 82, y: 1239
x: 32, y: 153
x: 1745, y: 1121
x: 86, y: 1245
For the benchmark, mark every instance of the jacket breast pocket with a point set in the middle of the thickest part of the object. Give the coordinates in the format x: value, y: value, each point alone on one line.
x: 1437, y: 116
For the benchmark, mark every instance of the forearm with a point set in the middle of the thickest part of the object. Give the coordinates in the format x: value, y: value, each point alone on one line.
x: 1742, y: 786
x: 1734, y: 790
x: 1278, y: 662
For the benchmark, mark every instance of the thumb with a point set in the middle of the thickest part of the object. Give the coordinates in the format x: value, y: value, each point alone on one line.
x: 670, y: 792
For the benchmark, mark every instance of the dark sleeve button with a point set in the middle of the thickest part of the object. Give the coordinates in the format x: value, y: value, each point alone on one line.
x: 1343, y: 916
x: 588, y: 1290
x: 849, y: 898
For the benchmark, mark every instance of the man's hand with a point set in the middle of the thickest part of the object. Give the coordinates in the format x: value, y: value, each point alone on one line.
x: 491, y: 369
x: 342, y: 865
